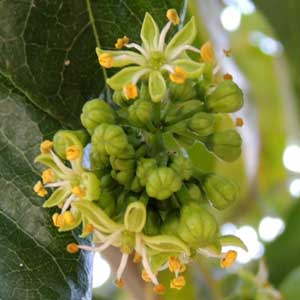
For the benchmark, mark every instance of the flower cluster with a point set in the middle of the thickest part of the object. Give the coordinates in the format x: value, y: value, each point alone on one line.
x: 141, y: 192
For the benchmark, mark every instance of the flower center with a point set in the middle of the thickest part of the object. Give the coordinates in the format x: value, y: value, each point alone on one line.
x: 156, y: 60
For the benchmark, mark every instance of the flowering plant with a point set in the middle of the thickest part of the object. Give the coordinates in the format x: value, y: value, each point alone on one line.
x: 139, y: 191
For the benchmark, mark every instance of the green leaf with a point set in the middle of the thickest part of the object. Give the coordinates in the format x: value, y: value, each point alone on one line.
x: 55, y: 64
x: 33, y: 261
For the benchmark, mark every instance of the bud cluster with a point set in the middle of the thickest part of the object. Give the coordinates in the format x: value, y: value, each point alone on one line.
x: 141, y: 192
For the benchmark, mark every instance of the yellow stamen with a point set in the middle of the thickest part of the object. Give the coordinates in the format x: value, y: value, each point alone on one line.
x: 159, y: 289
x: 120, y: 283
x: 207, y: 53
x: 227, y: 76
x: 137, y: 258
x: 227, y: 53
x: 130, y: 91
x: 178, y: 76
x: 58, y: 220
x: 73, y: 152
x: 145, y: 276
x: 239, y: 122
x: 88, y: 229
x: 72, y: 248
x: 39, y: 189
x: 228, y: 259
x: 106, y: 60
x: 173, y: 16
x: 48, y: 176
x: 68, y: 218
x: 174, y: 264
x: 76, y: 190
x: 177, y: 283
x: 120, y: 43
x: 46, y: 146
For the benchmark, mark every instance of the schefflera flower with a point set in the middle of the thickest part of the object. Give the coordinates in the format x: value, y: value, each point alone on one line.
x: 71, y: 183
x: 154, y: 59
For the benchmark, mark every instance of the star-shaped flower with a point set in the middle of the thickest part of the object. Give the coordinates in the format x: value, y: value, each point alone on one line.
x: 154, y: 60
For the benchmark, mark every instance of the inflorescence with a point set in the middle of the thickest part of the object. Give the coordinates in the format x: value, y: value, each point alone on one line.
x: 141, y: 193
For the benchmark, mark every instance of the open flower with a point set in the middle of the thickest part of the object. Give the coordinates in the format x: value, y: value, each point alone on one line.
x: 154, y: 60
x: 72, y: 184
x: 156, y: 253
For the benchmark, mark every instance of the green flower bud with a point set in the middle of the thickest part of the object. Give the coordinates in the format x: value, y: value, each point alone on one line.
x: 197, y: 227
x: 182, y: 166
x: 121, y: 164
x: 162, y: 183
x: 144, y: 92
x: 181, y: 111
x: 123, y: 177
x: 182, y: 92
x: 99, y: 161
x: 184, y: 141
x: 109, y: 139
x: 66, y: 138
x: 221, y: 192
x: 107, y: 203
x: 202, y: 124
x: 144, y: 168
x: 153, y: 223
x: 171, y: 223
x: 226, y: 98
x: 135, y: 217
x: 135, y: 185
x: 107, y: 181
x: 141, y: 113
x: 96, y: 112
x: 119, y: 98
x: 195, y: 192
x: 225, y: 144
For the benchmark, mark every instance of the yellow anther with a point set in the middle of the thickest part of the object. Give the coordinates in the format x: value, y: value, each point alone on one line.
x: 177, y: 283
x: 79, y: 192
x: 68, y: 218
x: 228, y: 259
x: 120, y: 43
x: 106, y: 60
x: 173, y: 16
x: 72, y: 248
x: 46, y: 146
x: 178, y: 76
x: 39, y: 189
x: 207, y: 53
x: 239, y: 122
x: 120, y: 283
x: 130, y: 91
x: 159, y: 289
x: 48, y: 176
x: 137, y: 258
x: 88, y: 229
x: 58, y: 220
x: 73, y: 152
x: 145, y: 276
x: 227, y: 76
x: 174, y: 264
x: 227, y: 53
